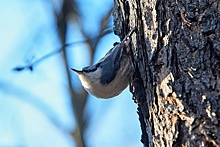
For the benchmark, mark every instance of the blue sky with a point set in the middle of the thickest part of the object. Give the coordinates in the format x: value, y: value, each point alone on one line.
x: 35, y: 107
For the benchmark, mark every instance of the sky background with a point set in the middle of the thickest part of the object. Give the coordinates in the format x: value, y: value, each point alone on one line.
x: 35, y: 107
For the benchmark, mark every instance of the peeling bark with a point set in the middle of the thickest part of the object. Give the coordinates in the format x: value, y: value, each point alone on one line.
x: 176, y: 55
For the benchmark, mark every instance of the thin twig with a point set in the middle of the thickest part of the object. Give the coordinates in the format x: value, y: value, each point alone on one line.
x: 31, y: 65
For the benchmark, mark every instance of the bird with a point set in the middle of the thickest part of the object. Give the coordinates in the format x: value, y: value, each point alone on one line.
x: 111, y: 74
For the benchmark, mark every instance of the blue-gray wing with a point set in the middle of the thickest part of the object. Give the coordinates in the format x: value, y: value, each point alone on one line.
x: 110, y: 64
x: 106, y: 58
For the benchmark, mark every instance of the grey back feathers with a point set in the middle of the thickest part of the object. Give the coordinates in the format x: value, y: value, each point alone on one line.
x: 109, y: 64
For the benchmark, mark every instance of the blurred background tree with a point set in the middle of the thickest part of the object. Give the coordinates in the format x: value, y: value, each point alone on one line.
x: 45, y: 105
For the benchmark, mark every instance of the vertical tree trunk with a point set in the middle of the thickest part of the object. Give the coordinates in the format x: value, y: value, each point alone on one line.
x: 176, y: 53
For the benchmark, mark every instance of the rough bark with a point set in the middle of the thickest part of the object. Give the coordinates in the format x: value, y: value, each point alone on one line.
x: 176, y: 54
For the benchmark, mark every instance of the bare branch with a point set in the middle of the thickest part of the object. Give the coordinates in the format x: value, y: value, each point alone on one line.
x: 31, y: 65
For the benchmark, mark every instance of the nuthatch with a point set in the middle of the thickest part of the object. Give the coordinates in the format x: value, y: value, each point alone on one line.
x: 111, y: 75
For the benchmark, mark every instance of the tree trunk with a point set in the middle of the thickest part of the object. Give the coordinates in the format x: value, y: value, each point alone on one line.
x: 176, y: 55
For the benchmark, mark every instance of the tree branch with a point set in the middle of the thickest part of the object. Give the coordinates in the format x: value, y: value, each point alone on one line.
x: 31, y: 65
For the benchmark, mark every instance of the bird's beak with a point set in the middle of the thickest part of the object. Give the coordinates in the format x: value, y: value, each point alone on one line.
x: 77, y: 71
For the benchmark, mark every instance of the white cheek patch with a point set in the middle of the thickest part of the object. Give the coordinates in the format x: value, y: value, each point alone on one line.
x: 90, y: 83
